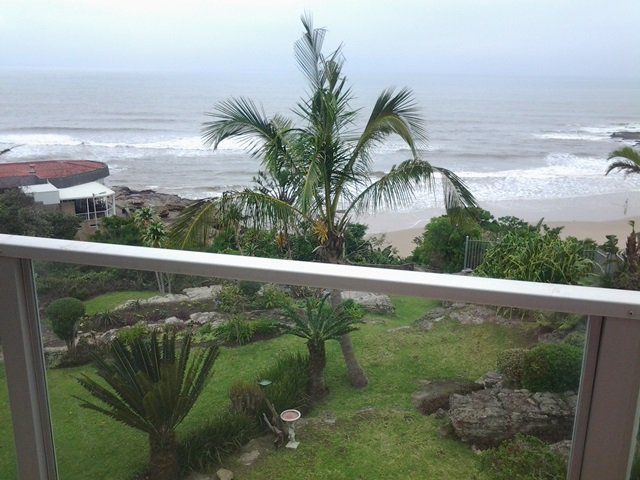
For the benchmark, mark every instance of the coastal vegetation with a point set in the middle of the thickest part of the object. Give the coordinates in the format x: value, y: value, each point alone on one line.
x: 626, y: 160
x: 317, y: 172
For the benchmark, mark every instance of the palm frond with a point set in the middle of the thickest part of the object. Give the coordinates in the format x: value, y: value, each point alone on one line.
x: 308, y: 50
x: 399, y: 186
x: 148, y: 387
x: 629, y: 161
x: 194, y: 226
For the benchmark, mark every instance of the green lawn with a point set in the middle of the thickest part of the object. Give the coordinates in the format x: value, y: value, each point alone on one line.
x: 392, y: 442
x: 109, y: 301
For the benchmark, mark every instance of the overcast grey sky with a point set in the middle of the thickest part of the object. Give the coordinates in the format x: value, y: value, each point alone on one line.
x: 496, y: 37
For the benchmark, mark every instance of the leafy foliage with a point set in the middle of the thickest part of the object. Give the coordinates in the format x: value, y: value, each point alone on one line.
x: 236, y: 331
x: 118, y: 230
x: 441, y: 246
x: 538, y: 255
x: 626, y: 160
x: 247, y: 398
x: 552, y: 368
x: 151, y: 386
x: 64, y: 314
x: 215, y: 438
x: 289, y: 378
x: 272, y: 296
x: 20, y: 215
x: 510, y: 363
x: 133, y: 334
x: 231, y: 299
x: 523, y: 458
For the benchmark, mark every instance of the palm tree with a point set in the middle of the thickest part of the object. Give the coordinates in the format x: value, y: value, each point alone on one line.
x: 329, y: 160
x: 151, y: 387
x: 629, y: 161
x: 318, y: 324
x: 154, y: 235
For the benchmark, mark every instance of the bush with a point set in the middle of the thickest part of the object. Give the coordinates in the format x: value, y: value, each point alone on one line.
x: 523, y: 458
x: 120, y: 230
x: 510, y: 363
x: 231, y: 299
x: 247, y: 399
x: 352, y: 310
x: 552, y: 368
x: 205, y: 446
x: 575, y: 339
x: 441, y: 246
x: 289, y: 378
x: 129, y: 335
x: 236, y: 331
x: 265, y: 328
x: 64, y: 314
x: 106, y: 321
x: 538, y: 255
x: 272, y: 296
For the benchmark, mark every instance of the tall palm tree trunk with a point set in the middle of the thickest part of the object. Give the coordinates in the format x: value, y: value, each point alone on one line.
x: 317, y: 363
x: 163, y: 456
x: 355, y: 373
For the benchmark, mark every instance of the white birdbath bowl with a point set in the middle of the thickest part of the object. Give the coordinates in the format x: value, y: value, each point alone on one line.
x: 290, y: 417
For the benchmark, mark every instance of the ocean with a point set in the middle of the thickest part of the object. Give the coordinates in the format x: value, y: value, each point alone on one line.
x: 509, y: 138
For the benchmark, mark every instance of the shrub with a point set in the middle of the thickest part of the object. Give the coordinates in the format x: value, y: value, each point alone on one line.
x: 231, y: 299
x: 249, y: 289
x: 510, y: 363
x: 236, y: 331
x: 107, y: 320
x: 206, y: 445
x: 538, y: 255
x: 552, y: 368
x: 265, y: 328
x: 136, y: 332
x: 289, y: 378
x: 272, y: 296
x: 247, y: 399
x: 523, y: 458
x: 575, y: 339
x: 64, y: 315
x: 352, y: 310
x: 441, y: 246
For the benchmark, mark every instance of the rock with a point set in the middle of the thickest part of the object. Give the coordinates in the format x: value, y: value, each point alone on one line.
x: 626, y: 135
x: 173, y: 321
x: 371, y: 302
x: 464, y: 313
x: 202, y: 318
x: 487, y: 417
x: 434, y: 395
x: 249, y: 458
x: 168, y: 298
x: 109, y: 335
x: 491, y: 380
x: 202, y: 293
x: 562, y: 448
x: 224, y: 474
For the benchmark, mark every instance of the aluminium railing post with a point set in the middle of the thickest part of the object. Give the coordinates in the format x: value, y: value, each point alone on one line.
x: 25, y: 371
x: 607, y: 415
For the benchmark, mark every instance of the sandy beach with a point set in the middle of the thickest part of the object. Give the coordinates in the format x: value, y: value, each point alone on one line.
x: 592, y: 217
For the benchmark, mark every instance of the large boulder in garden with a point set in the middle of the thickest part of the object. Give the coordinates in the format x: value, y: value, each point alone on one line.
x: 487, y: 417
x: 371, y: 302
x: 434, y: 395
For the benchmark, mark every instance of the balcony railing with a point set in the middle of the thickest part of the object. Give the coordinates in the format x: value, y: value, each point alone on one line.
x: 606, y: 420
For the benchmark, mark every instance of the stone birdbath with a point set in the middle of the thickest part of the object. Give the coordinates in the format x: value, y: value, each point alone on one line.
x: 290, y: 417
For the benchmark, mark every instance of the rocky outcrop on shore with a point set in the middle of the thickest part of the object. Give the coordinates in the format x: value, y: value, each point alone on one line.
x: 166, y: 206
x: 628, y: 136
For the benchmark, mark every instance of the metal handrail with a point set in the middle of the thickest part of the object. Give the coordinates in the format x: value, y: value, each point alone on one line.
x: 487, y: 291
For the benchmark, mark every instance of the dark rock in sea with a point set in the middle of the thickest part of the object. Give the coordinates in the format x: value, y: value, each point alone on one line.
x: 626, y: 135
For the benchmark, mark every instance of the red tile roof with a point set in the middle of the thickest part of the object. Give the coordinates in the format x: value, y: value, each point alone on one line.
x: 50, y: 169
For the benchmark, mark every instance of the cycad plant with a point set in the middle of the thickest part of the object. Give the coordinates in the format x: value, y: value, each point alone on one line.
x: 626, y: 160
x: 317, y: 324
x: 151, y: 386
x: 329, y: 177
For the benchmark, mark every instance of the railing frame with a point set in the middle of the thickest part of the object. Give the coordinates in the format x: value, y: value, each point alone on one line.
x: 606, y: 419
